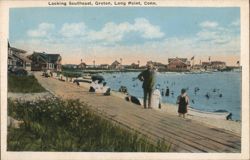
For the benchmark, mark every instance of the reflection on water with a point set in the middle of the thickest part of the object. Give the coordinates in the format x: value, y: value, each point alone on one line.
x: 207, y: 91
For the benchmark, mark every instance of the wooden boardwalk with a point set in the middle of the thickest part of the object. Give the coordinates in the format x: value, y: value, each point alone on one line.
x: 185, y: 135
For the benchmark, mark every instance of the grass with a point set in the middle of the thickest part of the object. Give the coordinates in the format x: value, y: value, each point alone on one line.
x: 24, y: 84
x: 57, y: 125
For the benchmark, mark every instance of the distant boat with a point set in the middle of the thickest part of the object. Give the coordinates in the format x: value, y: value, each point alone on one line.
x: 237, y: 69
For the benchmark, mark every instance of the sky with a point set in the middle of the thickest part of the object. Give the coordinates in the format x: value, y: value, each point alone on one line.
x: 136, y: 34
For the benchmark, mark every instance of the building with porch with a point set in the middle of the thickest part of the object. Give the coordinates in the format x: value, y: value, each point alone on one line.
x: 213, y: 65
x: 43, y: 61
x: 178, y: 64
x: 17, y: 58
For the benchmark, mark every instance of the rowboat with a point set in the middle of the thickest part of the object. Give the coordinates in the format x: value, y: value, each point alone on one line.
x: 216, y: 115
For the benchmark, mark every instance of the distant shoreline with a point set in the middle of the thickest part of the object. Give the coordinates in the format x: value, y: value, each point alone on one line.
x: 94, y: 71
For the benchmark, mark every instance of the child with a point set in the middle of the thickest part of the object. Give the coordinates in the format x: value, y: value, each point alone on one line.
x: 183, y: 102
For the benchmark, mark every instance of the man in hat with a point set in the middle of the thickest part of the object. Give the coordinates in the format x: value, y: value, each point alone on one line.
x: 148, y: 78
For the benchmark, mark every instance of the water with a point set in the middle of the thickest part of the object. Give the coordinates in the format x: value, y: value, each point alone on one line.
x: 228, y: 84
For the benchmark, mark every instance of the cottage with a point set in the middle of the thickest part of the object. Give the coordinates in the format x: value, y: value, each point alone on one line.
x: 104, y: 66
x: 44, y: 61
x: 206, y: 65
x: 214, y: 65
x: 218, y: 65
x: 116, y: 65
x: 82, y: 65
x: 178, y: 64
x: 134, y: 66
x: 17, y: 58
x: 158, y: 65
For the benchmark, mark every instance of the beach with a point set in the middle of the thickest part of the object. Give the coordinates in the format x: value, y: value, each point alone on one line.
x: 192, y: 134
x: 208, y: 92
x: 167, y: 108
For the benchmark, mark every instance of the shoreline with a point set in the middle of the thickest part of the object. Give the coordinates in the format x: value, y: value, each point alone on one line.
x: 186, y: 135
x: 167, y: 108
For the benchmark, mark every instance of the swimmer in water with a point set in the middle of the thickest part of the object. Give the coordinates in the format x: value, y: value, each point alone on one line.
x: 162, y: 92
x: 167, y: 92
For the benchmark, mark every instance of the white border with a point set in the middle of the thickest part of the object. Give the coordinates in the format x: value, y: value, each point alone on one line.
x: 244, y: 11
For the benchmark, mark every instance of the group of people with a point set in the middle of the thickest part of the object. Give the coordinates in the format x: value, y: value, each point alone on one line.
x: 100, y: 87
x: 152, y: 93
x: 148, y: 77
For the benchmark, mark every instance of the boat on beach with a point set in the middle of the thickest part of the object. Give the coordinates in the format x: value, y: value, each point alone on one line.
x: 216, y: 115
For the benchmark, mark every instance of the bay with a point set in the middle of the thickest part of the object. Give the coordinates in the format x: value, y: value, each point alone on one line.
x: 216, y: 91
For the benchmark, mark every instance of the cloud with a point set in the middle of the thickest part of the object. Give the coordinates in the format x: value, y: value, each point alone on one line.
x: 81, y: 41
x: 43, y: 30
x: 235, y: 23
x: 73, y: 29
x: 207, y: 35
x: 148, y: 30
x: 112, y: 32
x: 209, y: 24
x: 218, y: 35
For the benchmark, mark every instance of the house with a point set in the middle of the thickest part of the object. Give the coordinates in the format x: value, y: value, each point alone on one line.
x: 43, y: 61
x: 103, y: 66
x: 17, y: 58
x: 116, y: 65
x: 134, y: 66
x: 178, y: 64
x: 70, y: 66
x: 218, y: 65
x: 206, y: 65
x: 158, y: 65
x: 82, y: 65
x: 197, y: 67
x: 214, y: 65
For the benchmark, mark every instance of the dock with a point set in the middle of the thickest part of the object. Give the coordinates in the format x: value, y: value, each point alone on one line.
x: 184, y: 135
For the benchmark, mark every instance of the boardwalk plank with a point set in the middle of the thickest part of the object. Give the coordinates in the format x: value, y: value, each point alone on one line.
x: 209, y: 146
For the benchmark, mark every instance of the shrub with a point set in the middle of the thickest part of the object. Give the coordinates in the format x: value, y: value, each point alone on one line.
x: 24, y: 84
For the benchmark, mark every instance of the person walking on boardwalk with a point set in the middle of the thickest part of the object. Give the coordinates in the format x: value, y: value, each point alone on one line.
x: 183, y: 101
x: 148, y: 78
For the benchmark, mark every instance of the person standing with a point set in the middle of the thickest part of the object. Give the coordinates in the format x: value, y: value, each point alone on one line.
x: 183, y: 102
x: 148, y: 78
x: 156, y: 98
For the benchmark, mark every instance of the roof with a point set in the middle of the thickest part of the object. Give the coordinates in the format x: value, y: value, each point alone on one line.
x: 184, y: 60
x: 50, y: 58
x: 218, y: 62
x: 134, y: 64
x: 206, y: 63
x: 115, y: 63
x: 82, y: 64
x: 16, y: 49
x: 24, y: 58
